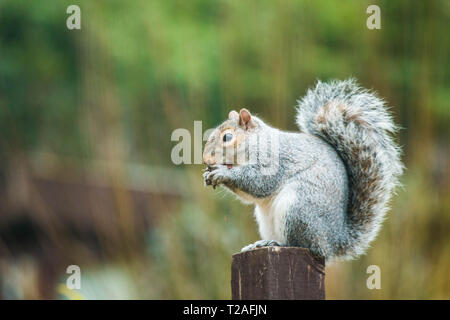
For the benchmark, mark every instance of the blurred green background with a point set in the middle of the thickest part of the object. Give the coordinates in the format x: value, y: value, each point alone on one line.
x: 86, y: 118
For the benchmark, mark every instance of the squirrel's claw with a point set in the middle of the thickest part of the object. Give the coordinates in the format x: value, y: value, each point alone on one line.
x: 206, y: 180
x: 260, y: 244
x: 214, y: 177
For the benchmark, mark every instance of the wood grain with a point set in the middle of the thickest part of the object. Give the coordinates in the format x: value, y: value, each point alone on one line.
x: 278, y: 273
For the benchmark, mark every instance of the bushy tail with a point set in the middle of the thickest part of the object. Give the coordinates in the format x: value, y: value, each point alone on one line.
x: 357, y: 124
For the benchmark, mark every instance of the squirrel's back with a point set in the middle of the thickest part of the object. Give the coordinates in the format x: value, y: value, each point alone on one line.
x: 356, y: 123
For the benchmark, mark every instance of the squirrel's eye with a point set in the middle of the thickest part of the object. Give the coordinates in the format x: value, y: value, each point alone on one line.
x: 227, y: 137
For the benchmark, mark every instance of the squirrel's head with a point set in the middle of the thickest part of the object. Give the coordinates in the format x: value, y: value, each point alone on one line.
x: 226, y: 144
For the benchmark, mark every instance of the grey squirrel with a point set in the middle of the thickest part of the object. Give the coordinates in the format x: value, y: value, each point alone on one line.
x: 326, y: 187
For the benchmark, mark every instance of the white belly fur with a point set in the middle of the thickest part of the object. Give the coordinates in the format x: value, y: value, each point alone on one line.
x: 270, y: 212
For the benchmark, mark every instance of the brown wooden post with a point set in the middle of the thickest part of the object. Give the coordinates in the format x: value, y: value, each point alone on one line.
x: 277, y: 273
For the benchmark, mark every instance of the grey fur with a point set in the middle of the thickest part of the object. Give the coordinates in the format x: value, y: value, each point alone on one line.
x: 342, y: 166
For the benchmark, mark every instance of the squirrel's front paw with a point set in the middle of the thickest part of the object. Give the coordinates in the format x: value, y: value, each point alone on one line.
x: 215, y: 176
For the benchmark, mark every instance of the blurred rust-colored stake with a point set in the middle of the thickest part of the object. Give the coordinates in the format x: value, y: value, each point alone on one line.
x: 277, y: 273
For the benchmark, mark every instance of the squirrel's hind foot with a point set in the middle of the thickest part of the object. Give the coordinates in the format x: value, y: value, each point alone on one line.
x: 262, y: 243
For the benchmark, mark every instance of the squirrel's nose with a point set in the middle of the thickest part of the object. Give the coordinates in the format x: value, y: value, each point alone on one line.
x: 208, y: 160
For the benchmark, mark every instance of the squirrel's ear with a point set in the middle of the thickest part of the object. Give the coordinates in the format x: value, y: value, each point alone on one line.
x: 233, y: 115
x: 245, y: 119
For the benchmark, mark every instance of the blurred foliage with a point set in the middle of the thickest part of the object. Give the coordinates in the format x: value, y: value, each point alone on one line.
x: 117, y: 88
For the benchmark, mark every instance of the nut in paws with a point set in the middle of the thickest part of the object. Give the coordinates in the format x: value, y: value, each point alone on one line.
x: 215, y: 177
